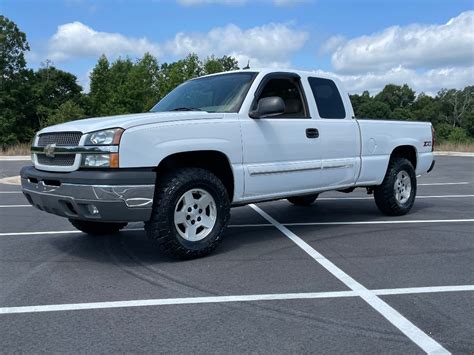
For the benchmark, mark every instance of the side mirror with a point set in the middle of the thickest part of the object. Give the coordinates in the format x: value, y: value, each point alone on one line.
x: 269, y: 106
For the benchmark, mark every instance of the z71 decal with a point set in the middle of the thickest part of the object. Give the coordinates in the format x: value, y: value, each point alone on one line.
x: 427, y: 144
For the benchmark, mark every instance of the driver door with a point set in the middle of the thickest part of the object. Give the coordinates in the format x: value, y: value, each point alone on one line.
x: 281, y: 153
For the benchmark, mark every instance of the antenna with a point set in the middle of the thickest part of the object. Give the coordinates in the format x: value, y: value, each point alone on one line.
x: 248, y: 65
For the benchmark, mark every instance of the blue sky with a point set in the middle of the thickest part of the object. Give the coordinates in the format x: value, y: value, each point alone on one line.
x: 365, y: 43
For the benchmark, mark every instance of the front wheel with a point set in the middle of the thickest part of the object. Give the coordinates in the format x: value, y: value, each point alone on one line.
x: 396, y: 195
x: 97, y: 228
x: 191, y: 209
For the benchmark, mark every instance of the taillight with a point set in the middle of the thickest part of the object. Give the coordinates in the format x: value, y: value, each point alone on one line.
x: 433, y: 138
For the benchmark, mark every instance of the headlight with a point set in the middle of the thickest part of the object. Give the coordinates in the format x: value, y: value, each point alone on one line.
x: 105, y: 137
x: 100, y: 160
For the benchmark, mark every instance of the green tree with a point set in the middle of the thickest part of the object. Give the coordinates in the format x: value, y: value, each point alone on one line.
x: 52, y: 87
x: 100, y: 88
x: 173, y: 74
x: 358, y: 100
x: 216, y: 65
x: 458, y: 135
x: 375, y: 109
x: 456, y: 105
x: 396, y: 96
x: 67, y: 111
x: 140, y: 91
x: 16, y: 97
x: 13, y: 46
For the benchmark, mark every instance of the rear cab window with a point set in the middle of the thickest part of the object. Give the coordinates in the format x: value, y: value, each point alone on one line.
x: 327, y: 97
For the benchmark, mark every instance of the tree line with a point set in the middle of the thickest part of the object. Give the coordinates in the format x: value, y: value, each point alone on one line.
x: 32, y: 99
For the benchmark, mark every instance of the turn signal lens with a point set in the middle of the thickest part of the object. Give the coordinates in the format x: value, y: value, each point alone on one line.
x: 114, y: 160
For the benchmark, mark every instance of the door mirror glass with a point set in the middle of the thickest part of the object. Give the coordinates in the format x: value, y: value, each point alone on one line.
x: 269, y: 106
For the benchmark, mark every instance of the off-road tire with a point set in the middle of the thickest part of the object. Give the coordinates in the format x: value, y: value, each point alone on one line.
x: 161, y: 228
x: 384, y: 194
x: 97, y: 228
x: 306, y: 200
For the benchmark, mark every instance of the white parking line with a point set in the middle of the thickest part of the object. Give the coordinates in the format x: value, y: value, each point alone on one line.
x: 444, y: 183
x: 59, y: 232
x: 300, y: 224
x: 380, y: 222
x: 10, y: 192
x: 14, y: 206
x: 419, y: 337
x: 343, y: 223
x: 226, y: 299
x: 320, y: 199
x: 371, y: 197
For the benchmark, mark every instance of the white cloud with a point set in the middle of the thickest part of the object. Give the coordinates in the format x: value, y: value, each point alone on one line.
x: 332, y: 44
x: 267, y: 45
x: 430, y: 81
x: 414, y: 46
x: 75, y: 39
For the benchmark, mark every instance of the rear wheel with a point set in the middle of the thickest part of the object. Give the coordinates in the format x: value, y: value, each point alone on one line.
x: 396, y: 195
x: 97, y: 228
x: 305, y: 200
x: 190, y: 212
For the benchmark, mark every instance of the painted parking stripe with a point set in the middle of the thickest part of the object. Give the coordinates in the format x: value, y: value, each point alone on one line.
x: 320, y: 199
x: 10, y: 192
x: 444, y: 183
x: 467, y: 220
x: 59, y: 232
x: 259, y: 225
x: 226, y: 299
x: 414, y: 333
x: 418, y: 290
x: 343, y: 223
x: 14, y: 206
x: 371, y: 197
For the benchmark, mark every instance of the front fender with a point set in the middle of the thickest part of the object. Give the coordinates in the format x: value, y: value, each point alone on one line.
x: 147, y: 146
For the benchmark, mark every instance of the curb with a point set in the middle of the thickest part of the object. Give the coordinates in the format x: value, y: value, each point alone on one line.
x: 11, y: 180
x: 454, y: 154
x: 15, y: 157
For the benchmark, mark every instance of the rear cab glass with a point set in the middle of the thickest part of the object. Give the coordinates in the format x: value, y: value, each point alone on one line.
x: 327, y: 97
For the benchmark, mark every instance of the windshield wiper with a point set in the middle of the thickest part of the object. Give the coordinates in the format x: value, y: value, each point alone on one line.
x: 186, y: 109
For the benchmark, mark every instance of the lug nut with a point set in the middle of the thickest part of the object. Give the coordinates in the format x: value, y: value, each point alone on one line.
x: 199, y: 219
x: 188, y: 217
x: 190, y: 209
x: 195, y: 207
x: 192, y: 222
x: 200, y: 211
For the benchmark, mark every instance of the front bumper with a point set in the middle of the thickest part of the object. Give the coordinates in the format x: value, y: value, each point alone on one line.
x: 115, y: 195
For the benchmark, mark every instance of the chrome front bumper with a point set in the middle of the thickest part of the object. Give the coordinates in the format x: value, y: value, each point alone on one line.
x: 107, y: 203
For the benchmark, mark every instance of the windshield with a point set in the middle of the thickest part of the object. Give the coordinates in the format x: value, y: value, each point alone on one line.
x: 219, y: 93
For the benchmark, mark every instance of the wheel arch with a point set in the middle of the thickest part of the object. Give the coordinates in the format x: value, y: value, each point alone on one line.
x: 406, y: 151
x: 215, y: 161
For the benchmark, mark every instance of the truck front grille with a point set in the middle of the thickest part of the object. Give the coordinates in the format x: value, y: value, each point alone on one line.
x: 59, y: 138
x: 58, y: 160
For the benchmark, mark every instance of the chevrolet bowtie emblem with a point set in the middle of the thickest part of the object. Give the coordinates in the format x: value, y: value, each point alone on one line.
x: 49, y: 150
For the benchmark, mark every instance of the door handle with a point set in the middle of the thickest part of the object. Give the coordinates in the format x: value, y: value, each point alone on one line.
x: 312, y: 133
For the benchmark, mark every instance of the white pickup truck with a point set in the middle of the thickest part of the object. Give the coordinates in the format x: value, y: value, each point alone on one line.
x: 218, y: 141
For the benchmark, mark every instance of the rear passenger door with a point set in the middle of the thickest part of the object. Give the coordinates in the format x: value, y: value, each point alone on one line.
x: 339, y: 134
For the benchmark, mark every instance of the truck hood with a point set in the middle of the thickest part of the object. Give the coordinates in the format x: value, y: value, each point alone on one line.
x: 131, y: 120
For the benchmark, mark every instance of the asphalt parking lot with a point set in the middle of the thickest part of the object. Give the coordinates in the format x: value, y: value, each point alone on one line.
x: 336, y: 277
